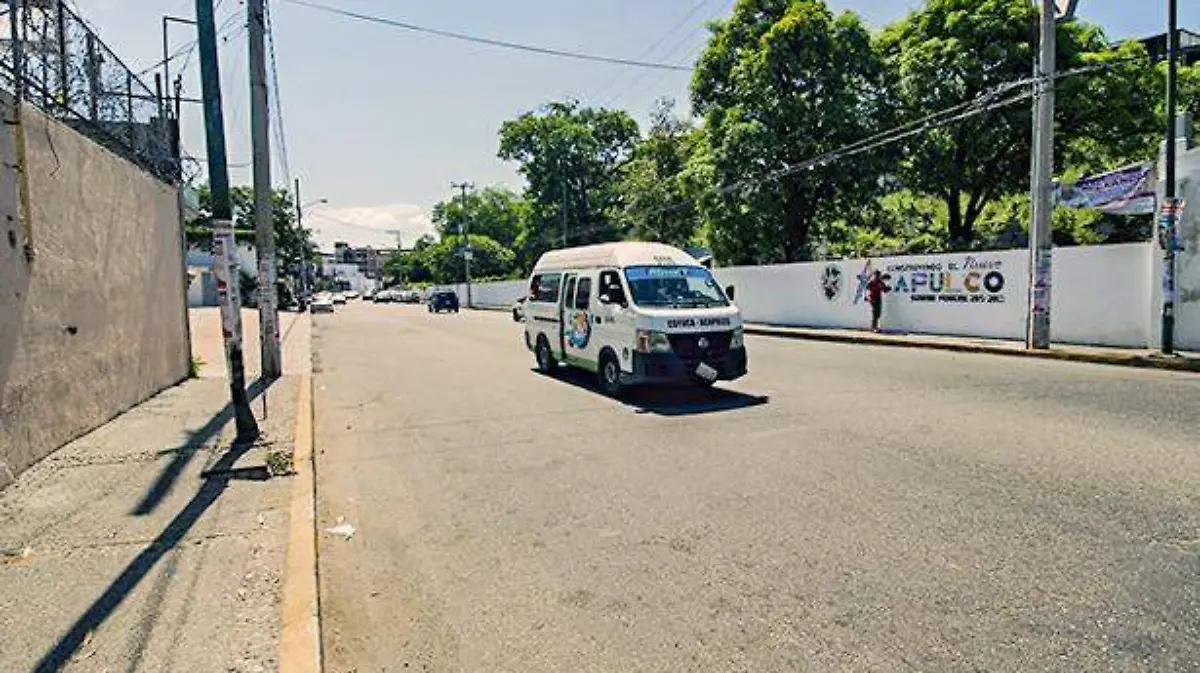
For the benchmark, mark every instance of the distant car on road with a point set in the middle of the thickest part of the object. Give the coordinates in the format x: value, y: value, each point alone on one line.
x: 337, y: 298
x: 368, y: 295
x: 518, y: 310
x: 321, y: 304
x: 443, y: 301
x: 410, y: 297
x: 383, y: 297
x: 351, y: 294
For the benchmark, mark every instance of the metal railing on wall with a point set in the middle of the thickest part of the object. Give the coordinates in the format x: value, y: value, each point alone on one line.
x: 69, y: 73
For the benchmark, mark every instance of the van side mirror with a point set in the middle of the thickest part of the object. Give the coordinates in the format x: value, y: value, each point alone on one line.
x: 614, y: 297
x: 729, y: 292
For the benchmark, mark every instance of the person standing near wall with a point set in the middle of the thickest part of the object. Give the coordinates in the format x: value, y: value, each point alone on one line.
x: 875, y: 291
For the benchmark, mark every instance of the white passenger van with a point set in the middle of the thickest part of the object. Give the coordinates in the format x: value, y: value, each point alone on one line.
x: 633, y: 313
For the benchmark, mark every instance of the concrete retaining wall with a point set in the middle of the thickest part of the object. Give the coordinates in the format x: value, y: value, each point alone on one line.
x: 96, y: 322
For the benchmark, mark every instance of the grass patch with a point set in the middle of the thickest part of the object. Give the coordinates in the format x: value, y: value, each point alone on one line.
x: 194, y: 366
x: 279, y: 463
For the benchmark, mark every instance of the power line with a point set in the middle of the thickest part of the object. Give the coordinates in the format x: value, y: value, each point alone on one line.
x: 646, y: 53
x: 187, y: 48
x: 987, y: 102
x: 651, y: 81
x: 545, y: 51
x: 280, y: 132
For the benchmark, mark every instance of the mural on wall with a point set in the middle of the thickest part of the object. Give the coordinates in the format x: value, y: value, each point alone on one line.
x: 971, y: 279
x: 831, y: 282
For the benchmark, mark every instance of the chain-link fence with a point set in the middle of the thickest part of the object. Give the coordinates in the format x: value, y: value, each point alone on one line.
x: 71, y: 75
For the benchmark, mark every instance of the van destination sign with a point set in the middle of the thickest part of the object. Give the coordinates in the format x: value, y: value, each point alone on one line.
x: 698, y: 322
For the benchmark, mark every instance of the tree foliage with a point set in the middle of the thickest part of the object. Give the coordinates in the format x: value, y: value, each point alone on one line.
x: 292, y: 243
x: 495, y: 212
x: 654, y: 186
x: 569, y: 156
x: 781, y: 82
x: 441, y: 262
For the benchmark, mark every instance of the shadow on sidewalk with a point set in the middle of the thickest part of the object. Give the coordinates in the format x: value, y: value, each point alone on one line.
x: 102, y: 608
x: 184, y: 453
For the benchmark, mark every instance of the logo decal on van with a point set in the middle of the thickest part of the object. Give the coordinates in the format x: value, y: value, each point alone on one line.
x: 579, y: 329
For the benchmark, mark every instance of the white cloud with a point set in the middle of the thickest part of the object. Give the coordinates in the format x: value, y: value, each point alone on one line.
x: 376, y: 226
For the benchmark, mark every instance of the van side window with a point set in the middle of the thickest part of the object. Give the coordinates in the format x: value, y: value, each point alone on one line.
x: 583, y: 294
x: 569, y: 295
x: 610, y: 284
x: 544, y: 287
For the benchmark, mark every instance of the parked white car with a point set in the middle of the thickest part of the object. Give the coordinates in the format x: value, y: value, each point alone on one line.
x: 321, y: 304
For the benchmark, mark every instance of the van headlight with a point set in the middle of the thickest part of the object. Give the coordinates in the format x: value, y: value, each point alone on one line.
x: 649, y: 341
x: 738, y: 340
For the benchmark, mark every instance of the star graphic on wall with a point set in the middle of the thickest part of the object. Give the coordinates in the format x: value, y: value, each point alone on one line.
x: 863, y: 279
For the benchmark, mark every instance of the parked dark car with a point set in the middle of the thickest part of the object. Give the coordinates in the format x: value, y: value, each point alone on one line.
x: 443, y: 301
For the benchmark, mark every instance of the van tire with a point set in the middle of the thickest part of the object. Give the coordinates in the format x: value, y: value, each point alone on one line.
x: 609, y: 373
x: 546, y: 363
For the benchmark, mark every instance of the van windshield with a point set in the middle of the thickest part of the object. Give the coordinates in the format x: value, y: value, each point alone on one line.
x: 674, y: 287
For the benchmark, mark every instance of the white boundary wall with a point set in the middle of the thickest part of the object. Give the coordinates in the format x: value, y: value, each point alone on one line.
x: 496, y: 294
x: 1104, y: 295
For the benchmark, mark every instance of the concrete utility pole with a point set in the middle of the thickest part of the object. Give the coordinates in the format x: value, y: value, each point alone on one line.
x: 264, y: 219
x: 1170, y: 213
x: 224, y: 245
x: 1042, y: 191
x: 464, y: 230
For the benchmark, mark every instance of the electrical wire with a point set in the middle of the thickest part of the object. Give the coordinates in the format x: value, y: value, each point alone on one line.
x: 545, y: 51
x: 648, y: 51
x: 687, y: 61
x: 986, y: 102
x: 280, y: 130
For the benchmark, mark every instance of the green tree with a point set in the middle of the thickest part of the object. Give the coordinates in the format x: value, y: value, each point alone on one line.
x: 441, y: 262
x: 495, y: 212
x: 953, y: 51
x: 782, y: 82
x: 947, y: 53
x: 569, y: 156
x: 292, y: 243
x: 655, y: 192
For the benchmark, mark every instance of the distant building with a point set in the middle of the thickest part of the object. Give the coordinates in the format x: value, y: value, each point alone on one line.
x: 368, y: 260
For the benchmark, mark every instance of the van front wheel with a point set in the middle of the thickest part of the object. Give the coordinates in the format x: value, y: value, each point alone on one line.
x: 610, y: 374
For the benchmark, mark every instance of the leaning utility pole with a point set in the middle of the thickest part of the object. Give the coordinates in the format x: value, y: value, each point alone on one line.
x: 224, y: 245
x: 304, y: 256
x: 264, y: 220
x: 464, y: 230
x: 1169, y: 217
x: 1042, y: 191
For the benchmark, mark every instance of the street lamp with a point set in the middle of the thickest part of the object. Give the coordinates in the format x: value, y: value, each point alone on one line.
x: 304, y: 263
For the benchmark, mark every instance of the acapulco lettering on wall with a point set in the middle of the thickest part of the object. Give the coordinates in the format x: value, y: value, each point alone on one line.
x: 976, y: 279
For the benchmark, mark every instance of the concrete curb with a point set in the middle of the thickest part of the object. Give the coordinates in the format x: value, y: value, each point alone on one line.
x: 300, y: 625
x: 1139, y: 360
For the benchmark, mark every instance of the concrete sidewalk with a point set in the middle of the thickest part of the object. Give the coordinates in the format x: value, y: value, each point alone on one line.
x: 1127, y: 357
x: 116, y: 554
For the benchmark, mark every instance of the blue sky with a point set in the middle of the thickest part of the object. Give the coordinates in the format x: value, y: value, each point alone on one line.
x: 381, y: 121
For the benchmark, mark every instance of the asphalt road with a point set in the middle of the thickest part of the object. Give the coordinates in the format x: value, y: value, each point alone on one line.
x: 843, y: 508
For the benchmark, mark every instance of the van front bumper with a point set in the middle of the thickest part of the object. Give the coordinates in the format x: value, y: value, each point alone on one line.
x: 667, y: 368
